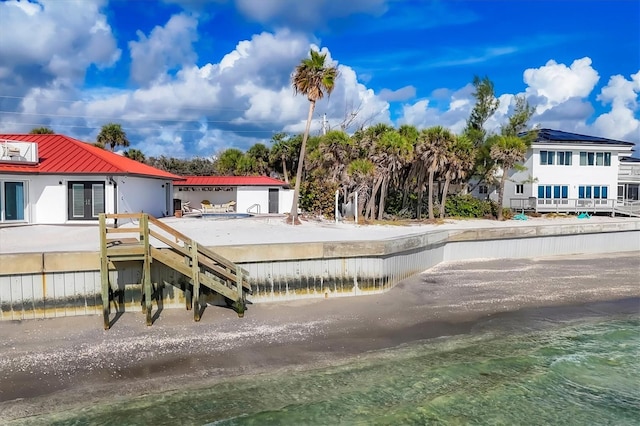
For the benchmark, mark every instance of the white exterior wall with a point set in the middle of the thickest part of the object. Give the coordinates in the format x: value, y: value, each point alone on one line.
x: 573, y: 176
x: 46, y: 196
x: 286, y: 200
x: 138, y: 194
x: 250, y: 195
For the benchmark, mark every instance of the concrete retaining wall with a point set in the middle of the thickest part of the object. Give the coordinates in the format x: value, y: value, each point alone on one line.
x: 43, y: 285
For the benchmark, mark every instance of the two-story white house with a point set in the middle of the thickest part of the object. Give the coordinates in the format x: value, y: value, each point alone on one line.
x: 568, y: 172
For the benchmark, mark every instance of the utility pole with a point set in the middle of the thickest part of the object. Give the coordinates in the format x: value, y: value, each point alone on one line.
x: 324, y: 124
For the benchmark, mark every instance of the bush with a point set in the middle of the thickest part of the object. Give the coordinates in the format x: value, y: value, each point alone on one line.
x: 468, y: 206
x: 507, y: 213
x: 318, y: 197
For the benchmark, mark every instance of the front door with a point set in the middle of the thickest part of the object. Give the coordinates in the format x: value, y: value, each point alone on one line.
x: 273, y: 200
x: 86, y: 200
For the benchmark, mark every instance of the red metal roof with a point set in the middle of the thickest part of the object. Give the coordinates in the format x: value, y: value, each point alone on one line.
x: 61, y: 154
x: 230, y: 181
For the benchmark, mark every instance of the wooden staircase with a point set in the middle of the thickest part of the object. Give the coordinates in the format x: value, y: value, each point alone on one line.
x: 200, y: 265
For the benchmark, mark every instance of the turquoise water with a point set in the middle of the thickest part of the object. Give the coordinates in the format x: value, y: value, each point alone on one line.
x: 579, y: 372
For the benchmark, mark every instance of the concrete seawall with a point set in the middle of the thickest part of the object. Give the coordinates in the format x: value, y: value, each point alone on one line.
x: 43, y: 285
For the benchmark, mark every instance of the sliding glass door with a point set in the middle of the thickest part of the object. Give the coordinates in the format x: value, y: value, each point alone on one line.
x: 13, y: 201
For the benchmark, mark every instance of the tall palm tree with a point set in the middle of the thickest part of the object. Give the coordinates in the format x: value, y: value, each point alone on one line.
x: 112, y: 135
x: 460, y: 160
x: 434, y: 144
x: 312, y: 77
x: 506, y: 151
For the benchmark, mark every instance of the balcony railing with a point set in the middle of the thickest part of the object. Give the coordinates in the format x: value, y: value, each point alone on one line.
x: 563, y: 205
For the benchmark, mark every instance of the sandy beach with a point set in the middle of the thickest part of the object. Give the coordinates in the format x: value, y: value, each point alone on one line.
x: 71, y: 362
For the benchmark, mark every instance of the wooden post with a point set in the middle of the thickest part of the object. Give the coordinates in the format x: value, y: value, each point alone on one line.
x: 104, y: 271
x: 239, y: 288
x: 146, y: 268
x: 195, y: 276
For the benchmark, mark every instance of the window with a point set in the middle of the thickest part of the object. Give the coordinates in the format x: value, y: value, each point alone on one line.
x: 520, y: 189
x: 593, y: 191
x: 553, y: 191
x: 595, y: 158
x: 483, y: 189
x: 560, y: 158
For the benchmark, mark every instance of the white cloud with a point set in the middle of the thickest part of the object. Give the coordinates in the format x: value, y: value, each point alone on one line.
x: 402, y: 94
x: 60, y: 41
x: 620, y: 122
x: 555, y: 83
x: 166, y: 48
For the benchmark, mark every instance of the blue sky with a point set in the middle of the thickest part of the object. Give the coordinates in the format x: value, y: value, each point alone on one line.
x: 193, y: 77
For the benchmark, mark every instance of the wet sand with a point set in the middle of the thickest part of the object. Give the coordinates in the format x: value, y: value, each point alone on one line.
x: 49, y: 365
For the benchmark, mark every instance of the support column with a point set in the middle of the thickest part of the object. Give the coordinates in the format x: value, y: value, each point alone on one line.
x: 195, y: 277
x: 146, y: 269
x: 104, y: 272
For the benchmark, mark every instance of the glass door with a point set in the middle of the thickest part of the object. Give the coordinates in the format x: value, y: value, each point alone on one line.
x: 86, y: 200
x: 13, y: 201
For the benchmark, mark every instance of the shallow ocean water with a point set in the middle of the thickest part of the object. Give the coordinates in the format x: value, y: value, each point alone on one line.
x: 575, y: 372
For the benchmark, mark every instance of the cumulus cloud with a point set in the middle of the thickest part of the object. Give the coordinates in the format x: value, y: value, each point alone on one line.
x: 622, y: 95
x: 166, y: 48
x: 555, y: 83
x: 61, y: 40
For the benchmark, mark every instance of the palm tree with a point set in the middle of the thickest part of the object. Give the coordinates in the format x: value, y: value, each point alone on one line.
x: 312, y: 77
x: 506, y: 151
x: 434, y: 143
x: 112, y: 135
x: 135, y: 154
x: 281, y: 152
x: 360, y: 174
x: 41, y: 131
x: 460, y: 160
x: 393, y: 152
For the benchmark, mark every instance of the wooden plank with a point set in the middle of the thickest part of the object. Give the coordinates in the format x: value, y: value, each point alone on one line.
x: 123, y: 230
x: 147, y: 269
x: 170, y: 243
x: 195, y: 277
x: 177, y: 234
x: 219, y: 288
x: 172, y: 260
x: 125, y: 250
x: 104, y: 273
x: 123, y: 215
x: 222, y: 272
x: 121, y: 241
x: 219, y: 259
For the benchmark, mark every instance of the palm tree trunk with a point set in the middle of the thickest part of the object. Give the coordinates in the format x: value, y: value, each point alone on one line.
x: 431, y: 173
x: 444, y: 196
x: 284, y: 167
x: 383, y: 195
x: 419, y: 207
x: 303, y: 147
x: 371, y: 205
x: 503, y: 180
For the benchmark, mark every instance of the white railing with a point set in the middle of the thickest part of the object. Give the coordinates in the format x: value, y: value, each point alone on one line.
x: 252, y: 207
x: 563, y: 205
x: 18, y: 152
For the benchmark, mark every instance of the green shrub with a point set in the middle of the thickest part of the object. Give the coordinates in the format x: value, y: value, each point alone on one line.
x: 468, y: 206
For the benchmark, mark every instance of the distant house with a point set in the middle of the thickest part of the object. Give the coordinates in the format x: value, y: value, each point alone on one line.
x: 55, y: 179
x: 566, y: 172
x: 251, y: 194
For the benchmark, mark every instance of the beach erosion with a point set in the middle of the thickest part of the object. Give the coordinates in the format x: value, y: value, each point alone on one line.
x: 66, y: 363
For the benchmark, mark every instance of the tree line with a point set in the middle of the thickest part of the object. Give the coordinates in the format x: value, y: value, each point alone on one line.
x: 390, y: 168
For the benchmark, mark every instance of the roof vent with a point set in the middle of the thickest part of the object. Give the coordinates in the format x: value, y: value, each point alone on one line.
x: 18, y: 152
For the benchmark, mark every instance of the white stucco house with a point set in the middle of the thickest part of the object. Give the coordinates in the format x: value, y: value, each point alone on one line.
x: 566, y: 172
x: 251, y: 194
x: 55, y: 179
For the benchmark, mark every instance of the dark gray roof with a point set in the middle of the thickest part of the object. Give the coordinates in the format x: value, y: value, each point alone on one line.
x: 630, y: 160
x: 550, y: 135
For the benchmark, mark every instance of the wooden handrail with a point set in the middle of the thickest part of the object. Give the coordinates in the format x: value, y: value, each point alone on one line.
x: 123, y: 215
